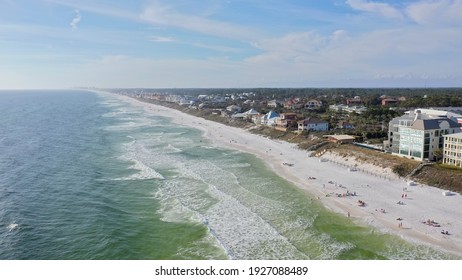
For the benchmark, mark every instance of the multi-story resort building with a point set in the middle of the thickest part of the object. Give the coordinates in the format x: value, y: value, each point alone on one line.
x: 453, y: 149
x: 418, y: 136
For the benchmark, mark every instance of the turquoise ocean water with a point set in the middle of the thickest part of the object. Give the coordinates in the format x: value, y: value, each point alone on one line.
x: 89, y: 176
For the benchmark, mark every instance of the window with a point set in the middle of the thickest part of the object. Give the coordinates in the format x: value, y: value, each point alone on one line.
x: 404, y: 152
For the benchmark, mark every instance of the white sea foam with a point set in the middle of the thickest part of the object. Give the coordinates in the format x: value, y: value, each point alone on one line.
x: 239, y: 230
x: 244, y: 222
x: 125, y: 126
x: 172, y: 148
x: 182, y: 203
x: 201, y: 249
x: 110, y: 103
x: 173, y: 211
x: 240, y: 165
x: 187, y: 173
x: 130, y: 119
x: 114, y: 114
x: 145, y: 173
x: 12, y: 226
x: 175, y: 205
x: 245, y: 233
x: 247, y: 223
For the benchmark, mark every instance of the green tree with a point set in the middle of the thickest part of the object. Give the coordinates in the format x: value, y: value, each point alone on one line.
x: 438, y: 154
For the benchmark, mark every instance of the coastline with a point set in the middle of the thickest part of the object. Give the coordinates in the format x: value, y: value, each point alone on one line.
x: 334, y: 183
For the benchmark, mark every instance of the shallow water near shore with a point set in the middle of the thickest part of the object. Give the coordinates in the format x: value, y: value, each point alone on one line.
x: 90, y: 176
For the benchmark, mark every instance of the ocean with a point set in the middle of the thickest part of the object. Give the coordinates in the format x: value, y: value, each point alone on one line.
x: 85, y: 175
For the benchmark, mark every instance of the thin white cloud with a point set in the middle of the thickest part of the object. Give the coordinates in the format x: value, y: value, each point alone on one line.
x: 218, y: 48
x: 307, y: 46
x: 167, y: 16
x: 382, y: 9
x: 161, y: 39
x: 97, y: 7
x: 362, y: 57
x: 436, y: 12
x: 75, y: 21
x: 424, y: 12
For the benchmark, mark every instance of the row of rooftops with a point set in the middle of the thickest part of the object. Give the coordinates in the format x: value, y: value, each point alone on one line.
x: 284, y: 116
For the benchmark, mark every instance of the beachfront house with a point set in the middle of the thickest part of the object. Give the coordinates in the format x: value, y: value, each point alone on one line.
x: 338, y: 107
x: 273, y: 103
x: 270, y: 118
x: 233, y: 109
x: 452, y: 153
x: 347, y: 109
x: 354, y: 101
x: 293, y: 104
x: 313, y: 124
x: 419, y: 136
x: 389, y: 102
x: 251, y: 114
x: 313, y: 104
x: 287, y: 121
x: 259, y: 119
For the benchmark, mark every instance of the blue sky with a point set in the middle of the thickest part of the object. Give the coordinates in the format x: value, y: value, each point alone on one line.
x: 242, y: 43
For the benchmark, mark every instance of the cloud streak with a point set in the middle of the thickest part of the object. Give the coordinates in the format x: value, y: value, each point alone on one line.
x: 423, y: 12
x: 163, y: 15
x: 441, y: 12
x: 75, y: 21
x: 382, y: 9
x: 161, y: 39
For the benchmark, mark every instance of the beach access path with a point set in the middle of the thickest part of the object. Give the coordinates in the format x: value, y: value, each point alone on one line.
x: 417, y: 213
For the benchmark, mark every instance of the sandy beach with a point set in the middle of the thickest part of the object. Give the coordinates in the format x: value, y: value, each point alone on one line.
x: 417, y: 213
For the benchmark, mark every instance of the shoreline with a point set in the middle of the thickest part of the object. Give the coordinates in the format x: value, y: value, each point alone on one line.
x: 334, y: 184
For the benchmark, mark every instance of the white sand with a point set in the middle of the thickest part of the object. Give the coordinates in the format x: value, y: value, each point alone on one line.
x: 378, y: 188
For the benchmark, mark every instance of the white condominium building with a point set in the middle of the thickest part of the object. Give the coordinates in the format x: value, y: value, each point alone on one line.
x: 418, y: 135
x: 453, y: 149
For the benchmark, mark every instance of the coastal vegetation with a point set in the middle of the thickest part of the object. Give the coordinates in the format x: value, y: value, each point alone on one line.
x: 442, y: 176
